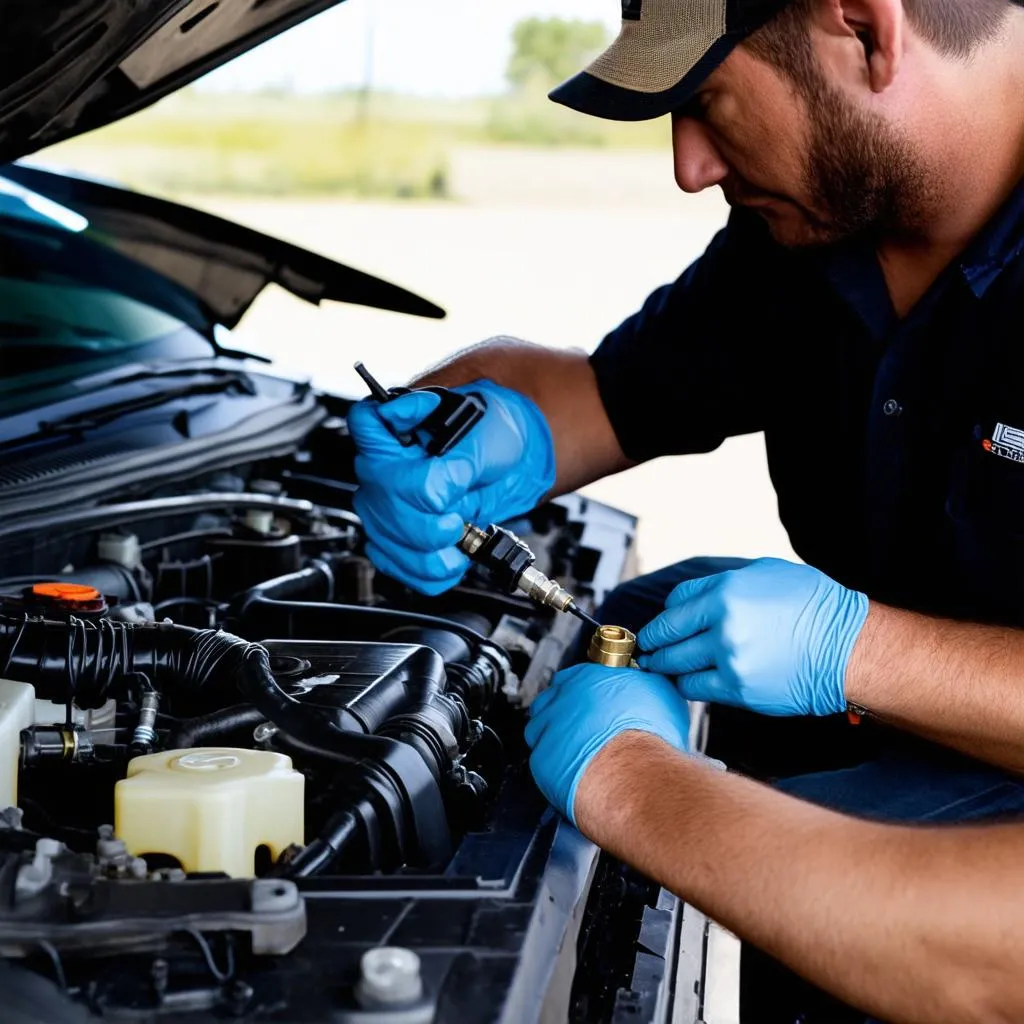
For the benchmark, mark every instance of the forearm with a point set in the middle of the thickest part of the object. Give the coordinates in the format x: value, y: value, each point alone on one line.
x: 960, y: 684
x: 914, y: 925
x: 563, y: 386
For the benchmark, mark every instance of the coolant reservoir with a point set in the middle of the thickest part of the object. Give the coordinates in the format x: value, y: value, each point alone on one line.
x: 17, y: 712
x: 210, y: 807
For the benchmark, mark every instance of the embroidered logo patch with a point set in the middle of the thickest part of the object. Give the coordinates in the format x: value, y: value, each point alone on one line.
x: 1007, y: 443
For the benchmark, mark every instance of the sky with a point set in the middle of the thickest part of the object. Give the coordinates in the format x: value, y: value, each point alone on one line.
x: 443, y: 48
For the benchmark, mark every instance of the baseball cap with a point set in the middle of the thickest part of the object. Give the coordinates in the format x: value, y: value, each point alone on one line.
x: 663, y: 52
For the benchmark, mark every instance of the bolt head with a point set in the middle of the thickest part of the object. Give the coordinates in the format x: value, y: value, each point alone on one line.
x: 47, y: 847
x: 241, y: 991
x: 390, y: 975
x: 108, y: 849
x: 264, y: 731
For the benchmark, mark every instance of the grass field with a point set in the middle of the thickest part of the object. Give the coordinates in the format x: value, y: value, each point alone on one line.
x: 376, y: 146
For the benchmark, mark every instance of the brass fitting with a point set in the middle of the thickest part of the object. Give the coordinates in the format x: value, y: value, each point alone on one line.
x: 612, y: 646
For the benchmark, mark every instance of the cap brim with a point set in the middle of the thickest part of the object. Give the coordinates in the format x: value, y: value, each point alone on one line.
x: 592, y: 95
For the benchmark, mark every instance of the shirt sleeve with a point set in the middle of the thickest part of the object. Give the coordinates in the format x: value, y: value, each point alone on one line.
x: 690, y: 368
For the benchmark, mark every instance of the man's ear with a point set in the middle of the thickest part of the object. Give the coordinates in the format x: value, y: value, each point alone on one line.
x: 872, y: 31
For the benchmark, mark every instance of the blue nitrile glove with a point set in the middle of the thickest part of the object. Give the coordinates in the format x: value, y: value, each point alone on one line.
x: 414, y: 506
x: 585, y: 707
x: 773, y: 636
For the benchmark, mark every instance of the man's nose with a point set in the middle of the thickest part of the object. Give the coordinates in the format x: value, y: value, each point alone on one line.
x: 698, y: 163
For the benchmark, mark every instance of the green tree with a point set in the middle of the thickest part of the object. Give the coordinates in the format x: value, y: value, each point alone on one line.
x: 545, y: 51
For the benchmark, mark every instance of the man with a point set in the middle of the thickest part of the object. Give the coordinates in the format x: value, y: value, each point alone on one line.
x: 862, y: 308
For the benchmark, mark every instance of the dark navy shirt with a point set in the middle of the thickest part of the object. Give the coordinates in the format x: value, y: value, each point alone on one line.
x: 896, y: 447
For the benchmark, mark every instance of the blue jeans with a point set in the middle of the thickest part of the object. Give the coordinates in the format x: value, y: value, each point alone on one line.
x: 888, y: 776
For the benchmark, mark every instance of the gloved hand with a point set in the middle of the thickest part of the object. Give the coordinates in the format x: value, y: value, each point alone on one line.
x: 414, y: 506
x: 773, y: 636
x: 585, y: 707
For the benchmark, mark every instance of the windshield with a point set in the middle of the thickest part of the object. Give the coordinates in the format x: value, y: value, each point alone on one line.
x: 72, y: 306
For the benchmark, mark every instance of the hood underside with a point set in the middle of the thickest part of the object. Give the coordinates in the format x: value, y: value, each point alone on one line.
x: 69, y: 66
x: 223, y: 264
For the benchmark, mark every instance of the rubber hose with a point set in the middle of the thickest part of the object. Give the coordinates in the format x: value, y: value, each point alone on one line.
x: 341, y: 829
x: 95, y: 660
x: 314, y: 581
x: 201, y: 731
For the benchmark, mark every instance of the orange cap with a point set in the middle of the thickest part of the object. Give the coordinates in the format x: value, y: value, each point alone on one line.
x: 72, y: 593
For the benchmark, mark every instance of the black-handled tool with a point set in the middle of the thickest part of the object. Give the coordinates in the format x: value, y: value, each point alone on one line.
x: 455, y: 416
x: 508, y: 559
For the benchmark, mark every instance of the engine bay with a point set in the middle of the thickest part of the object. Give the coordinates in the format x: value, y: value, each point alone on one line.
x: 247, y: 776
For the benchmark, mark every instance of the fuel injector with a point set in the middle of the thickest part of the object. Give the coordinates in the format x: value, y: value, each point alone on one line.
x: 501, y: 552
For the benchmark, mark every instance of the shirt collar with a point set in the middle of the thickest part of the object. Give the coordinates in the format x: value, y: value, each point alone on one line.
x: 853, y: 272
x: 852, y: 268
x: 1000, y: 241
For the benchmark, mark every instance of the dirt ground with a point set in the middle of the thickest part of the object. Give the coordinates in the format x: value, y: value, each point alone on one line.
x: 556, y: 247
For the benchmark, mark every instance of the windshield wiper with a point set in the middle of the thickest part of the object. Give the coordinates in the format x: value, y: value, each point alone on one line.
x: 239, y: 383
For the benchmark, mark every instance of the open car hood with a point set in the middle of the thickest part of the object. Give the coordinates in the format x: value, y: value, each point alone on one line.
x: 223, y: 264
x: 68, y: 66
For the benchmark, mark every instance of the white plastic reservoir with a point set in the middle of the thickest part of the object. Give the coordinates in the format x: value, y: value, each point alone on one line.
x: 210, y: 807
x: 17, y: 712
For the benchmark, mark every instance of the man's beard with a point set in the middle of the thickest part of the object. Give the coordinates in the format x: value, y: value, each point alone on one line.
x: 861, y: 177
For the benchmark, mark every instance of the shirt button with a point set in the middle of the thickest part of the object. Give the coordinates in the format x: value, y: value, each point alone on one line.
x: 891, y: 407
